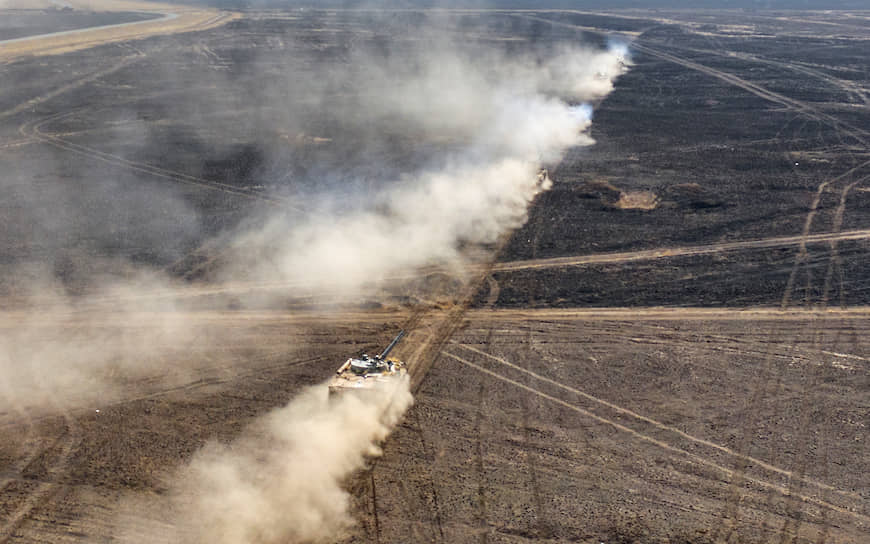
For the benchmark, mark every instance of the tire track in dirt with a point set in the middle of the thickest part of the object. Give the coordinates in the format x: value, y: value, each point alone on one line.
x: 796, y: 483
x: 669, y: 252
x: 766, y: 389
x: 770, y: 382
x: 194, y: 384
x: 801, y: 107
x: 541, y: 528
x: 415, y: 499
x: 650, y: 421
x: 730, y: 513
x: 75, y: 84
x: 436, y: 335
x: 33, y: 447
x: 792, y: 525
x: 794, y: 488
x: 374, y: 507
x: 813, y: 441
x: 790, y: 103
x: 836, y: 261
x: 482, y: 524
x: 760, y: 313
x: 739, y: 475
x: 18, y: 143
x: 43, y: 490
x: 439, y: 331
x: 480, y: 469
x: 33, y: 129
x: 807, y: 238
x: 846, y: 85
x: 728, y: 472
x: 666, y: 336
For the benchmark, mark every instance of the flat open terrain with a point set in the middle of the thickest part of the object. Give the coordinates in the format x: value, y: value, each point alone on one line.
x: 58, y: 27
x: 673, y: 348
x: 18, y: 24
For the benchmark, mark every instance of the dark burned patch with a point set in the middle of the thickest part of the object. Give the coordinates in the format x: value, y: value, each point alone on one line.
x: 693, y: 195
x: 602, y: 190
x: 240, y: 165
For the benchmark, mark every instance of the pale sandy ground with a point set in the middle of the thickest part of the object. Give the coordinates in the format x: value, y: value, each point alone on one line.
x: 186, y: 19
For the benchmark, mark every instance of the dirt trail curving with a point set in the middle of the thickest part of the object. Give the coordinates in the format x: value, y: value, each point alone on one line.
x: 176, y: 19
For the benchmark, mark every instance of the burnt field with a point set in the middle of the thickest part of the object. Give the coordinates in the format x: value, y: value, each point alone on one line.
x: 671, y: 348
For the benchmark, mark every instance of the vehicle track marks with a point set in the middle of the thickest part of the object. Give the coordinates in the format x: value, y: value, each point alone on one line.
x: 483, y: 529
x: 669, y: 252
x: 541, y: 528
x: 661, y: 444
x: 858, y: 134
x: 90, y: 78
x: 44, y: 490
x: 374, y: 507
x: 846, y: 85
x: 18, y: 143
x: 431, y: 503
x: 33, y: 129
x: 669, y: 428
x: 193, y: 385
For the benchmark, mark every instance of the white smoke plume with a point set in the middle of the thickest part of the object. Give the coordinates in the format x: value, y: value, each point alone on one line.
x: 504, y: 119
x: 501, y: 119
x: 496, y: 121
x: 496, y: 118
x: 282, y: 482
x: 60, y: 353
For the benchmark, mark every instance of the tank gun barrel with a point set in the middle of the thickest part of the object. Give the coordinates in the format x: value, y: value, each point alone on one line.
x: 392, y: 344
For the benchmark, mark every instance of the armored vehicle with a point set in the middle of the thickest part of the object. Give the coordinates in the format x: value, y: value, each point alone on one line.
x: 366, y: 373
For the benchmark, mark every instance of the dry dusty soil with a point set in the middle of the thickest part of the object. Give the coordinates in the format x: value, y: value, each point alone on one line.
x: 674, y: 348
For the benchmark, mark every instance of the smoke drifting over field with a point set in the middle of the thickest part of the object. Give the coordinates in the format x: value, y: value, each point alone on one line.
x: 283, y: 482
x: 492, y: 119
x: 284, y: 485
x: 503, y: 118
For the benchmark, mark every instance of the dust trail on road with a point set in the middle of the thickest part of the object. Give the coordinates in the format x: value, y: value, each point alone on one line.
x: 282, y: 480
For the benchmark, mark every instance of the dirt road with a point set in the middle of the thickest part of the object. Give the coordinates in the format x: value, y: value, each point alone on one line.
x: 175, y: 19
x: 644, y: 255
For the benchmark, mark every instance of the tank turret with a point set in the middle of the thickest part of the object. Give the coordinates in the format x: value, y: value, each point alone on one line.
x: 367, y: 372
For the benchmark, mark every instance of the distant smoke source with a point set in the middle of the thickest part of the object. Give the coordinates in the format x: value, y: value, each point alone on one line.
x: 282, y: 481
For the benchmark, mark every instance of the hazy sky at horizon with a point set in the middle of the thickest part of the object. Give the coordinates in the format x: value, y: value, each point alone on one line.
x: 556, y: 4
